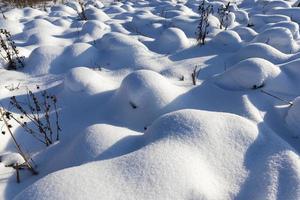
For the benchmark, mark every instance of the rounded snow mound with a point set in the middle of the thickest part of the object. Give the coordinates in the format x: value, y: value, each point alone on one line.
x: 293, y: 13
x: 96, y: 14
x: 95, y: 28
x: 228, y: 38
x: 184, y: 158
x: 241, y: 16
x: 259, y: 20
x: 53, y: 59
x: 278, y: 37
x: 259, y: 50
x: 65, y: 9
x: 141, y: 92
x: 292, y: 119
x: 95, y: 142
x: 99, y: 138
x: 40, y: 59
x: 121, y: 50
x: 40, y: 23
x: 251, y: 73
x: 246, y: 33
x: 82, y: 79
x: 270, y: 5
x: 171, y: 40
x: 292, y: 26
x: 76, y: 55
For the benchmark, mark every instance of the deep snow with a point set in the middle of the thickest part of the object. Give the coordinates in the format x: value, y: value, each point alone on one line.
x: 134, y: 126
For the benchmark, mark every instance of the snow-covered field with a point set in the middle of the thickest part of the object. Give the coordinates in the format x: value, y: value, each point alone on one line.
x: 133, y: 124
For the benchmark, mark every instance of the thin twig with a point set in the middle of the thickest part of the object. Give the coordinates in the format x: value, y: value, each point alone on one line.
x: 276, y: 97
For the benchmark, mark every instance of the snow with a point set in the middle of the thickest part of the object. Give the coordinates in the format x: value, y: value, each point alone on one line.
x: 171, y: 40
x: 82, y: 79
x: 258, y: 72
x: 134, y: 123
x: 10, y: 158
x: 279, y: 38
x: 183, y: 157
x: 292, y: 118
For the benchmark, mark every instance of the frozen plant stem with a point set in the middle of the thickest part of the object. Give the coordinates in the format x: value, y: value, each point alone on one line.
x: 20, y: 151
x: 204, y: 11
x: 9, y: 52
x: 276, y: 97
x: 195, y: 74
x: 38, y: 110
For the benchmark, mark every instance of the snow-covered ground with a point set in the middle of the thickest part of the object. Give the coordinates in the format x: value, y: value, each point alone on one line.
x: 133, y: 124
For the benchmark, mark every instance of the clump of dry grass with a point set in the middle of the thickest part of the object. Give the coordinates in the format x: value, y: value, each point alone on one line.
x: 26, y: 3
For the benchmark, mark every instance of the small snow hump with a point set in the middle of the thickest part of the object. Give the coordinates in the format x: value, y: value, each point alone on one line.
x: 251, y: 73
x: 171, y: 40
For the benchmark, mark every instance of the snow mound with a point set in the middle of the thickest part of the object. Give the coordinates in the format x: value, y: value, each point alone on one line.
x: 141, y: 92
x: 248, y: 74
x: 145, y: 23
x: 259, y: 50
x: 245, y: 33
x: 292, y: 26
x: 96, y: 14
x: 270, y: 5
x: 52, y: 59
x: 293, y: 13
x: 41, y: 24
x: 259, y: 20
x: 95, y: 28
x: 95, y: 142
x: 241, y: 16
x: 64, y: 9
x: 171, y: 40
x: 292, y: 119
x: 76, y: 55
x: 82, y: 79
x: 184, y: 158
x: 99, y: 138
x: 121, y: 50
x: 279, y: 38
x: 40, y: 59
x: 229, y: 39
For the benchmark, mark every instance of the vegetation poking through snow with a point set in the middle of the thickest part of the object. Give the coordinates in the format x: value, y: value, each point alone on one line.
x: 81, y: 13
x: 42, y: 113
x: 2, y: 12
x: 195, y: 74
x: 133, y: 105
x: 9, y: 51
x: 27, y: 3
x: 5, y: 117
x: 12, y: 87
x: 223, y: 14
x: 277, y: 97
x: 202, y: 29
